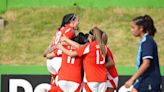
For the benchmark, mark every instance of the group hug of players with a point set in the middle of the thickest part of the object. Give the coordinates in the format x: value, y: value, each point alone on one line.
x: 80, y: 62
x: 84, y: 62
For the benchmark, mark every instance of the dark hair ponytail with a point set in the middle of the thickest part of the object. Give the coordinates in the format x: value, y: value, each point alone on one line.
x: 150, y: 25
x: 147, y: 23
x: 67, y: 19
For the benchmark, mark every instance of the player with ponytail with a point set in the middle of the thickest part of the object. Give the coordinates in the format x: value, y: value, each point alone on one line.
x: 94, y: 54
x: 147, y: 77
x: 54, y: 59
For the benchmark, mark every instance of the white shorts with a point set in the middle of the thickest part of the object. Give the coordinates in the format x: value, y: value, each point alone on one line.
x: 68, y: 86
x: 112, y: 82
x: 54, y: 64
x: 95, y: 87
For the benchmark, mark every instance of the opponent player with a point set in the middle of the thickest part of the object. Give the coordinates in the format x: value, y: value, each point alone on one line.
x: 147, y: 76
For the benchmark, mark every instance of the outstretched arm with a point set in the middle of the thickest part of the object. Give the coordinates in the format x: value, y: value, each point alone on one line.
x: 68, y: 52
x: 72, y: 43
x: 49, y: 50
x: 50, y: 55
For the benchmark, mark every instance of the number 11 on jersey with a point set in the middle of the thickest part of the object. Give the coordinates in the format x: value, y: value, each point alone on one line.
x: 70, y: 60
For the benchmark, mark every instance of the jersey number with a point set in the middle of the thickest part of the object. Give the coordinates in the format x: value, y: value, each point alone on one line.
x: 70, y: 60
x: 57, y: 38
x: 98, y: 61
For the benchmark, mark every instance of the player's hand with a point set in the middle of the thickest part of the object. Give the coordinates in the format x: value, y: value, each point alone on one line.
x: 58, y: 45
x: 50, y: 55
x: 63, y: 38
x: 128, y: 83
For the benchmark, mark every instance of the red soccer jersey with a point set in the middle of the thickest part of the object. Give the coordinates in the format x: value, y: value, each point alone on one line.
x: 112, y: 70
x: 68, y: 31
x: 93, y: 62
x: 71, y: 68
x: 56, y: 38
x: 57, y: 52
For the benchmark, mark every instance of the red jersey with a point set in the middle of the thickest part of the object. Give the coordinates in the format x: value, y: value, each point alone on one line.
x: 58, y: 52
x: 93, y: 62
x: 112, y: 70
x: 56, y: 39
x: 71, y: 68
x: 68, y: 31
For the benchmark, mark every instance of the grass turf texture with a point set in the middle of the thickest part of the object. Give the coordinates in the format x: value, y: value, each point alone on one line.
x: 10, y: 4
x: 122, y: 70
x: 29, y: 32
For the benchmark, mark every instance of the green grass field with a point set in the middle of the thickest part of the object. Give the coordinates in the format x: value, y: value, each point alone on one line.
x: 30, y: 30
x: 122, y: 70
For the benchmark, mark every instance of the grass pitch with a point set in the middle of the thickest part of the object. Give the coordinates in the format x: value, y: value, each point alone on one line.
x: 30, y: 30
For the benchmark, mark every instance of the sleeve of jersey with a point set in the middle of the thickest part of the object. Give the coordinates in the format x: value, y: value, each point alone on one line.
x: 57, y: 52
x: 83, y: 50
x: 147, y: 50
x: 69, y: 33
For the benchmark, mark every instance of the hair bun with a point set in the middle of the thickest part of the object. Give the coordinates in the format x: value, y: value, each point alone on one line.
x: 148, y: 18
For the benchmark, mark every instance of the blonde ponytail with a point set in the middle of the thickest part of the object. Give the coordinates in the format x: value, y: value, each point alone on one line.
x: 99, y: 35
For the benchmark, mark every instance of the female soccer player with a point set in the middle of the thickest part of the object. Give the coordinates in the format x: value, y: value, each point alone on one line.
x: 148, y: 77
x: 112, y: 74
x: 94, y: 53
x: 68, y: 26
x: 70, y: 74
x: 112, y: 81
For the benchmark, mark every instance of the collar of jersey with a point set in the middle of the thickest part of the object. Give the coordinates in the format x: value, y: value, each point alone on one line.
x: 68, y: 25
x: 139, y: 51
x: 144, y: 38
